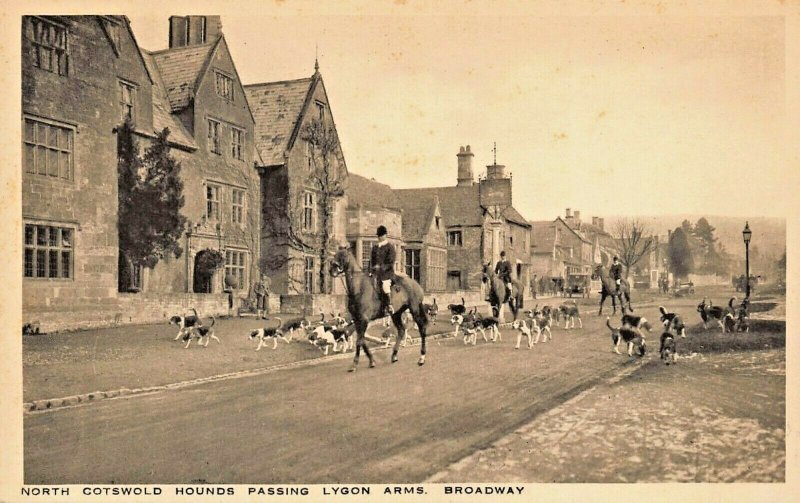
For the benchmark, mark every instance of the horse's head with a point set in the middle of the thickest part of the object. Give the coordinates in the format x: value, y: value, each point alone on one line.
x: 341, y: 263
x: 487, y: 273
x: 598, y: 270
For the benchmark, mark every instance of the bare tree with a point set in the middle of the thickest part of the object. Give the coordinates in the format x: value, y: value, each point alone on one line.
x: 287, y: 226
x: 634, y: 242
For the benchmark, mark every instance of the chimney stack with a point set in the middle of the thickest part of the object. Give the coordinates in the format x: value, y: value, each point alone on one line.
x: 193, y: 30
x: 577, y: 216
x: 465, y: 177
x: 602, y: 222
x: 594, y: 222
x: 568, y: 214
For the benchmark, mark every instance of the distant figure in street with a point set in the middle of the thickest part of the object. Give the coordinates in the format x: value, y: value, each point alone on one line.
x: 503, y: 271
x: 383, y: 258
x: 616, y: 272
x: 533, y: 286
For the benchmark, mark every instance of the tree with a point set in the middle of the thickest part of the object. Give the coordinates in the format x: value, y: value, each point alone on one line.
x: 704, y: 233
x: 686, y: 227
x: 150, y: 198
x: 679, y: 254
x: 634, y: 242
x: 325, y: 179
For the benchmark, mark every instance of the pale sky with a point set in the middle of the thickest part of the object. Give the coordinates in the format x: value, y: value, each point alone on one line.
x: 607, y: 115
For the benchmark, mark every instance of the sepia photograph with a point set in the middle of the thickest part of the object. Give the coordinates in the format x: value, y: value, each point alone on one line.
x: 428, y: 251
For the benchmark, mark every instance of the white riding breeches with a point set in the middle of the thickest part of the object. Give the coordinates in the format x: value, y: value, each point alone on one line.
x: 387, y: 286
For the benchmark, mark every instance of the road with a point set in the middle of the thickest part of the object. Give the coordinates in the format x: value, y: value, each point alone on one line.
x: 319, y: 424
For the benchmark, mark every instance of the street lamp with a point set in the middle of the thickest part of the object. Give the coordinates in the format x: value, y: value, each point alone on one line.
x: 747, y: 234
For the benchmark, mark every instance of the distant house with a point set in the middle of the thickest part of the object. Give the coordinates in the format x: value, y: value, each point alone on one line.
x: 293, y: 201
x: 480, y: 223
x: 560, y: 252
x: 425, y: 251
x: 369, y: 205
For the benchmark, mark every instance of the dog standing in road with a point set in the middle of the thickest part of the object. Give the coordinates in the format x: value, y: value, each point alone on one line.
x: 540, y: 322
x: 522, y: 328
x: 265, y: 333
x: 184, y: 323
x: 639, y: 322
x: 709, y: 312
x: 201, y: 332
x: 668, y: 348
x: 570, y: 312
x: 491, y: 323
x: 672, y: 321
x: 631, y: 335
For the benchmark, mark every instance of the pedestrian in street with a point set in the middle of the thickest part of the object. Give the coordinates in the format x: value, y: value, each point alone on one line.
x: 382, y: 260
x: 533, y: 286
x: 503, y: 271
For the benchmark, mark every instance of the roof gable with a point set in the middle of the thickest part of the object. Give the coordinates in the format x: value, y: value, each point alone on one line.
x: 219, y: 46
x: 162, y: 114
x: 182, y: 69
x: 277, y: 108
x: 362, y: 191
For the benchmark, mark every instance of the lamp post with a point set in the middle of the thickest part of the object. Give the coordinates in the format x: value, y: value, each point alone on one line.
x: 747, y: 234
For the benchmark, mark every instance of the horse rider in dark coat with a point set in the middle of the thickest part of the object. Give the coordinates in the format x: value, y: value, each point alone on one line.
x: 616, y: 272
x: 503, y: 271
x: 383, y: 259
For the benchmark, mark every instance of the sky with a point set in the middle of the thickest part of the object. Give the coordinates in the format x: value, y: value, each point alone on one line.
x: 610, y: 115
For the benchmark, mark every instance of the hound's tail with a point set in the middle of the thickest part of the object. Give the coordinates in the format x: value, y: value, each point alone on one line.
x: 608, y: 324
x: 463, y: 302
x: 280, y: 322
x: 213, y: 320
x: 730, y: 303
x: 662, y: 309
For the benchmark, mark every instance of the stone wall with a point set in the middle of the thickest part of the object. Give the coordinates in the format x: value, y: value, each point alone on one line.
x: 127, y: 309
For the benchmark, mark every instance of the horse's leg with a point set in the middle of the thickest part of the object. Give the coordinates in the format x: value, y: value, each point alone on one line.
x: 628, y: 297
x: 422, y: 325
x: 363, y: 329
x: 397, y: 319
x: 602, y: 300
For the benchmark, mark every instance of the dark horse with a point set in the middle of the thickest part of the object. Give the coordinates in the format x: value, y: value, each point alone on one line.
x: 609, y: 289
x: 365, y: 306
x: 497, y: 292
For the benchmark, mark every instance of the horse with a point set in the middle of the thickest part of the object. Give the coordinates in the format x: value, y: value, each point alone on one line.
x: 609, y: 289
x: 497, y: 292
x: 365, y: 305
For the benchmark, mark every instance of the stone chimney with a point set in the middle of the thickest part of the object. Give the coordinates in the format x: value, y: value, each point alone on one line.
x: 568, y: 213
x: 602, y: 222
x: 465, y: 177
x: 595, y: 222
x: 193, y: 30
x: 577, y: 216
x: 495, y: 172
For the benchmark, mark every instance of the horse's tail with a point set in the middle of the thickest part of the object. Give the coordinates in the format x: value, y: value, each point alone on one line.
x: 423, y: 315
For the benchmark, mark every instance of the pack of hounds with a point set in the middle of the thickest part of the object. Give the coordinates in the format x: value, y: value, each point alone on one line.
x: 336, y: 332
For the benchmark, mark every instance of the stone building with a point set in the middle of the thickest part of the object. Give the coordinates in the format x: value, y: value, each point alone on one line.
x: 561, y: 253
x: 82, y: 76
x: 480, y: 222
x: 425, y: 252
x: 295, y: 213
x: 370, y: 204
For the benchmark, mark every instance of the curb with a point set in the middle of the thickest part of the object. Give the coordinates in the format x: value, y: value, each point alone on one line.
x: 44, y: 405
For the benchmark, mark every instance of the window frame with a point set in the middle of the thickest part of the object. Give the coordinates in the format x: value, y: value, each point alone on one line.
x: 236, y: 265
x: 309, y: 223
x: 36, y: 147
x: 413, y: 267
x: 42, y: 250
x: 366, y: 253
x: 308, y: 274
x: 213, y: 203
x: 131, y: 111
x: 224, y: 85
x: 214, y: 140
x: 451, y: 238
x: 238, y: 207
x: 237, y: 147
x: 58, y: 62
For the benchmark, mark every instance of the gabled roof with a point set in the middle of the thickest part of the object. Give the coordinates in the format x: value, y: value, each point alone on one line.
x: 162, y: 116
x: 418, y: 213
x: 578, y: 234
x: 181, y: 70
x: 459, y: 205
x: 277, y: 108
x: 369, y: 193
x: 512, y: 215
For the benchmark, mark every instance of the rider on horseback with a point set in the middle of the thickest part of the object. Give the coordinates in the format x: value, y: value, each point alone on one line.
x: 616, y: 272
x: 503, y: 271
x: 383, y: 258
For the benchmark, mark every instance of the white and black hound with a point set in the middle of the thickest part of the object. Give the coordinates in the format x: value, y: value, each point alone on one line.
x: 201, y: 332
x: 265, y: 333
x: 639, y: 322
x: 672, y: 321
x: 184, y: 323
x: 523, y: 330
x: 458, y: 308
x: 631, y: 335
x: 668, y: 348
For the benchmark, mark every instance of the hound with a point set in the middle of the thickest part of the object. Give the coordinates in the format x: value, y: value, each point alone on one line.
x: 522, y: 329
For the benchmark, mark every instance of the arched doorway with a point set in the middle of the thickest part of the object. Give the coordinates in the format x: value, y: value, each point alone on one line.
x: 203, y: 274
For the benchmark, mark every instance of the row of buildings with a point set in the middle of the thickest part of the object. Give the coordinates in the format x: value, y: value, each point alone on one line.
x: 266, y: 185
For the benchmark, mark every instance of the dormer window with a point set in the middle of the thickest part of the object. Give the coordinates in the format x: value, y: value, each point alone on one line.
x: 224, y: 84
